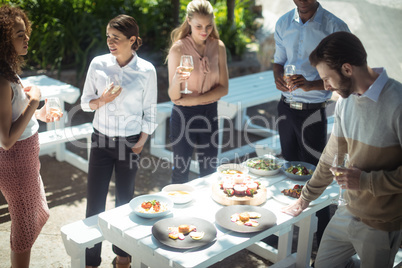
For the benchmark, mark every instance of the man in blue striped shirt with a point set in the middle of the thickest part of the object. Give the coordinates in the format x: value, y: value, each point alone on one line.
x: 302, y: 122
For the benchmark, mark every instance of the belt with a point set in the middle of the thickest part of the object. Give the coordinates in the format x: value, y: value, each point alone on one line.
x: 303, y: 106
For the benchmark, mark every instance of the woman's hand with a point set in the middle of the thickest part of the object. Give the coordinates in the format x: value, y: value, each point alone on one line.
x: 109, y: 95
x: 187, y: 100
x: 33, y: 93
x: 42, y: 115
x: 180, y: 76
x: 137, y: 149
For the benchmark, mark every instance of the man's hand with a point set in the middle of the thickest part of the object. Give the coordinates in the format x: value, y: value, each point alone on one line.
x: 296, y: 208
x: 281, y: 84
x: 348, y: 178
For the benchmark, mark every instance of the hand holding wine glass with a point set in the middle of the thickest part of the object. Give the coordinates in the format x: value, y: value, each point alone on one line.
x: 186, y: 62
x: 113, y: 84
x: 289, y: 71
x: 53, y: 113
x: 340, y: 161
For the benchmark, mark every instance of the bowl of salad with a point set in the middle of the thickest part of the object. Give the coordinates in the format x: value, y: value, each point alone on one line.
x: 264, y: 166
x: 297, y: 170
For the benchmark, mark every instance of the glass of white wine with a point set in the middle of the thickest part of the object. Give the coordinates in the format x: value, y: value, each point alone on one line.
x: 53, y: 111
x: 186, y: 62
x: 289, y: 70
x: 341, y: 161
x: 113, y: 83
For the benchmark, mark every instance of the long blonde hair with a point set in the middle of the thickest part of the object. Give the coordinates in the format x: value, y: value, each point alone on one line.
x: 199, y: 7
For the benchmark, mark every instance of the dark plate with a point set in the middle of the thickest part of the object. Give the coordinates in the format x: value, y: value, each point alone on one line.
x: 267, y: 220
x: 160, y: 231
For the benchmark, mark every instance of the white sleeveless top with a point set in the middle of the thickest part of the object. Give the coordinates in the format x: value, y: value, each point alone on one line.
x: 19, y: 103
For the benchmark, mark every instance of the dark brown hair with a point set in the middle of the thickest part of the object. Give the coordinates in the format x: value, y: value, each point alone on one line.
x: 339, y: 48
x: 10, y: 61
x: 128, y: 26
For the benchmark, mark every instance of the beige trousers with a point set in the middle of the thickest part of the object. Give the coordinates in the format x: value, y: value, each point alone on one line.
x: 345, y: 236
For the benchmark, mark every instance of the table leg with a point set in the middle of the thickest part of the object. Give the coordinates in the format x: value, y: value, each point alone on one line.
x: 308, y: 226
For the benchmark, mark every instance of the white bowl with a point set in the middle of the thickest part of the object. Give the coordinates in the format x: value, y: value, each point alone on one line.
x: 231, y: 166
x: 135, y: 205
x: 179, y: 193
x: 264, y: 171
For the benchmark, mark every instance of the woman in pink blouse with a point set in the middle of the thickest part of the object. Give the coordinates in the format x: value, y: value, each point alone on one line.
x: 194, y: 119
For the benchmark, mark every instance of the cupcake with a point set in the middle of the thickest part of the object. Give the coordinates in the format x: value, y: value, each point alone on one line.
x: 240, y: 189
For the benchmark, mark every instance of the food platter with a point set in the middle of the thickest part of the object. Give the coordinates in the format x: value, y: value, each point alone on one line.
x: 223, y: 218
x: 220, y: 197
x: 160, y: 230
x: 276, y: 192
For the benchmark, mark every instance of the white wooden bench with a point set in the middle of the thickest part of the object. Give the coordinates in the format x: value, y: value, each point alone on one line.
x: 68, y: 134
x: 272, y: 145
x: 78, y: 236
x: 67, y: 94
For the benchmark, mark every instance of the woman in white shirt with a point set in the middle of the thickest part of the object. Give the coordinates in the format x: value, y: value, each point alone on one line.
x: 122, y: 90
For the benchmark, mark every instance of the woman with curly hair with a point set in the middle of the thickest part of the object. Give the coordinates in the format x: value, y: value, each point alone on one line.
x: 20, y: 181
x: 194, y: 119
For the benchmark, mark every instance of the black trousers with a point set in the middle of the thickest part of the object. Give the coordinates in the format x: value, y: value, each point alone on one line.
x: 303, y: 136
x: 108, y: 154
x: 194, y: 128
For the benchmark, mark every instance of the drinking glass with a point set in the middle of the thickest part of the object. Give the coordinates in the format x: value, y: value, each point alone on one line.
x: 113, y: 80
x: 289, y: 70
x: 186, y: 62
x: 342, y: 161
x: 53, y: 110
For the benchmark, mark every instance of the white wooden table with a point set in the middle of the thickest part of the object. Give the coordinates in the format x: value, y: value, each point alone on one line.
x: 67, y: 94
x: 244, y: 92
x: 133, y: 234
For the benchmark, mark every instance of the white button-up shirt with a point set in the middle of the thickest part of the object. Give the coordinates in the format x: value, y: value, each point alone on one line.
x: 134, y: 110
x: 294, y: 42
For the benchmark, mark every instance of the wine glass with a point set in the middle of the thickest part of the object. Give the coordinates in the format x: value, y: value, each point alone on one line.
x: 113, y: 83
x: 289, y: 70
x: 53, y: 111
x: 186, y: 62
x: 342, y: 161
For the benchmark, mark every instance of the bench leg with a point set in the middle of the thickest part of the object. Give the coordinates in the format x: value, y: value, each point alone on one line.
x: 78, y: 262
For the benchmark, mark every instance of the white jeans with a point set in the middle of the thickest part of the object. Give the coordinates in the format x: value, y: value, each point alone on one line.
x: 345, y: 235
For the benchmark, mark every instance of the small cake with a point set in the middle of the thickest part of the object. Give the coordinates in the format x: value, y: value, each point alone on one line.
x: 240, y: 189
x: 244, y: 217
x: 227, y: 185
x: 252, y: 186
x: 184, y: 229
x: 238, y: 179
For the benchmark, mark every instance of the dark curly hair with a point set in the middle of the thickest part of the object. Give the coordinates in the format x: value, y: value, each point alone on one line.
x: 10, y: 61
x: 339, y: 48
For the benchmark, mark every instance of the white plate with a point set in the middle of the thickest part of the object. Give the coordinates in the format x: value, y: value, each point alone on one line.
x: 136, y: 202
x: 276, y: 189
x: 173, y: 191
